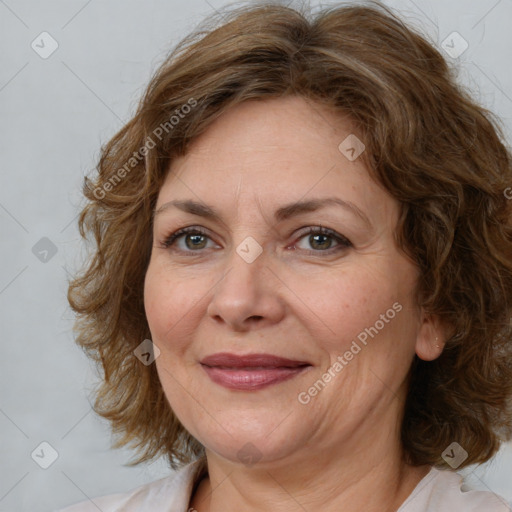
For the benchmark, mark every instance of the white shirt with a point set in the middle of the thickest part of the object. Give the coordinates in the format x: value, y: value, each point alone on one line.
x: 438, y: 491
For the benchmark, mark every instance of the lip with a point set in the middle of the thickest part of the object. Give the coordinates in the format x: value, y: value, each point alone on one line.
x: 251, y: 372
x: 229, y: 360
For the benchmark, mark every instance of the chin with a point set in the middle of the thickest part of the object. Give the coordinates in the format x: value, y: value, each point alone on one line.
x: 252, y: 451
x: 249, y: 439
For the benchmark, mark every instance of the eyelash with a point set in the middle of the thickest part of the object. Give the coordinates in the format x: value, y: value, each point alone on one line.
x: 343, y: 242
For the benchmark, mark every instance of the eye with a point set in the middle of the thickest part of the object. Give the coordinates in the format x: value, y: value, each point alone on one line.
x: 322, y: 239
x: 194, y: 239
x: 188, y: 239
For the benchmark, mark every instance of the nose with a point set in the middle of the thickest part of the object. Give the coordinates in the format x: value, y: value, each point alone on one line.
x: 248, y: 295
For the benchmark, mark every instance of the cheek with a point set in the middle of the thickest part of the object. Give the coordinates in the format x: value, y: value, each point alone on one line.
x: 347, y: 303
x: 369, y: 304
x: 170, y: 304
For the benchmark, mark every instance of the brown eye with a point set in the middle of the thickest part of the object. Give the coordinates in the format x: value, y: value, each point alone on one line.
x: 190, y: 239
x: 322, y: 240
x: 195, y: 241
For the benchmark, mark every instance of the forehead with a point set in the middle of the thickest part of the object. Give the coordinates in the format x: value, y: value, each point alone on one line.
x: 270, y: 151
x: 286, y: 128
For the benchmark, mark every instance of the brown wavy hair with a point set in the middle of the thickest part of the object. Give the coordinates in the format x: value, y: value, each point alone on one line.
x: 438, y: 153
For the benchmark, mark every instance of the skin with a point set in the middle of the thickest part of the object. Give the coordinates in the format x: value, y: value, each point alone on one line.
x: 340, y: 451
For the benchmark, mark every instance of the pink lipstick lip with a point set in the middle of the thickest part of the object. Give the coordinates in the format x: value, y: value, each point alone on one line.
x: 251, y: 379
x: 262, y: 361
x: 250, y: 372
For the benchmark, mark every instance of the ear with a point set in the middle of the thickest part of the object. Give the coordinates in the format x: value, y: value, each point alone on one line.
x: 431, y: 338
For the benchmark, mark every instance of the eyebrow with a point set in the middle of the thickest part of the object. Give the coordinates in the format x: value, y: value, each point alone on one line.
x: 283, y: 213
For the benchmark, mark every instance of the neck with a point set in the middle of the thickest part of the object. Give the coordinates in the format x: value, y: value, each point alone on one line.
x: 364, y: 476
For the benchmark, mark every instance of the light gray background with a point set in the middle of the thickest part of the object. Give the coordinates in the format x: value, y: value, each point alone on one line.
x: 55, y: 114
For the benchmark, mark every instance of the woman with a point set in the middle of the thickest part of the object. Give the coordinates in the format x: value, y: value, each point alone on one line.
x: 302, y: 282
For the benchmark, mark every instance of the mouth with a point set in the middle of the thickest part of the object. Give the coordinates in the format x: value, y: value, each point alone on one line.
x: 251, y: 372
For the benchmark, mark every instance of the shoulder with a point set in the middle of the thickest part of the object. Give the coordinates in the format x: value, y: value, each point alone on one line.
x: 441, y: 491
x: 169, y: 494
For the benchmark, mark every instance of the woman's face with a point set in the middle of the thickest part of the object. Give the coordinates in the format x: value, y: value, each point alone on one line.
x: 338, y: 305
